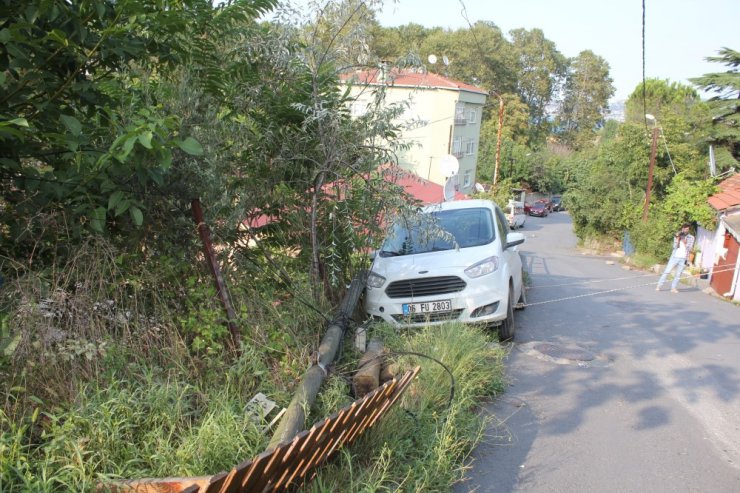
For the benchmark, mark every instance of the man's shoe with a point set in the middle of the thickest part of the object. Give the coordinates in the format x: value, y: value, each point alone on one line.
x: 674, y: 290
x: 657, y: 288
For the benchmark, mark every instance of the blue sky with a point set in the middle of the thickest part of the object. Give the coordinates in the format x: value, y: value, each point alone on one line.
x: 679, y: 34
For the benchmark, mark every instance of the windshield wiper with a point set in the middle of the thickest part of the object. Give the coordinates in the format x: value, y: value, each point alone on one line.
x: 389, y: 253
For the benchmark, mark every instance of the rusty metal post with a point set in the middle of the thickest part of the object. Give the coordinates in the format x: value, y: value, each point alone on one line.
x: 498, y: 136
x: 653, y: 150
x: 210, y: 254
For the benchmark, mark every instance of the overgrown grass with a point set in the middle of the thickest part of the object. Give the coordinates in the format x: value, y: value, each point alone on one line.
x: 158, y: 427
x: 104, y: 380
x: 422, y: 444
x: 161, y: 425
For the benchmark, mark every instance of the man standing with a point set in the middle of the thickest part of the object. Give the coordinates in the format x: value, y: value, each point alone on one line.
x: 683, y: 242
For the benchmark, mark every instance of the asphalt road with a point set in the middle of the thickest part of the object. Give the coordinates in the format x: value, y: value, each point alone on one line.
x: 619, y: 388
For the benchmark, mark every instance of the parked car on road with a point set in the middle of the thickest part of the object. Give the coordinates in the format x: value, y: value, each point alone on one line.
x: 538, y: 209
x: 547, y: 203
x: 454, y: 261
x: 557, y: 203
x: 515, y: 214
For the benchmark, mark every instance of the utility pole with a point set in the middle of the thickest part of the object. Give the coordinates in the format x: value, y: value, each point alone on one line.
x: 653, y: 150
x: 218, y: 278
x: 498, y: 136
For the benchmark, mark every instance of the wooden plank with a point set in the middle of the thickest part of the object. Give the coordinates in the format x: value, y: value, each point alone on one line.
x: 236, y: 477
x: 157, y: 485
x: 301, y: 444
x: 254, y: 476
x: 249, y: 472
x: 364, y: 411
x: 292, y: 452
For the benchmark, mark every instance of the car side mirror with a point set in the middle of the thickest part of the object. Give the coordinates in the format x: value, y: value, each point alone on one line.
x: 514, y: 239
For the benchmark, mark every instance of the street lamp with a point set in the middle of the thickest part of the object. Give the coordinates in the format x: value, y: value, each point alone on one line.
x: 498, y: 135
x: 653, y: 150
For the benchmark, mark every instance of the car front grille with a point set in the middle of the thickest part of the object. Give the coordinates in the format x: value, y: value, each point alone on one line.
x: 428, y: 317
x: 428, y: 286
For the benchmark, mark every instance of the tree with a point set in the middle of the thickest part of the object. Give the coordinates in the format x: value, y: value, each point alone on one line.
x: 658, y: 97
x: 724, y: 106
x: 588, y: 88
x: 82, y: 143
x: 541, y: 69
x: 392, y: 43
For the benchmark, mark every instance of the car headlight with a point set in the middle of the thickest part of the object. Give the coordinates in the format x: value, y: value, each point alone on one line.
x: 374, y: 280
x: 485, y: 266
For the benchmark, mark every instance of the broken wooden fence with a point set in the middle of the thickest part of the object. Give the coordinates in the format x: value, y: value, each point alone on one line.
x: 291, y: 463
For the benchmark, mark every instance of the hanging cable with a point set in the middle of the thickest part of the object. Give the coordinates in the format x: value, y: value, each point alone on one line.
x: 665, y: 143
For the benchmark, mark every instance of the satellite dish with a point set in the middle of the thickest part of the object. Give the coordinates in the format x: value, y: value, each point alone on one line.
x: 432, y: 59
x: 445, y: 60
x: 449, y: 190
x: 449, y: 165
x: 479, y: 187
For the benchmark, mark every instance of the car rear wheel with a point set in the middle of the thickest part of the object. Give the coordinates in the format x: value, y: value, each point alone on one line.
x: 507, y: 328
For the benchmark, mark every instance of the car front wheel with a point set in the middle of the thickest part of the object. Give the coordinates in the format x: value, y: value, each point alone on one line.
x: 507, y: 328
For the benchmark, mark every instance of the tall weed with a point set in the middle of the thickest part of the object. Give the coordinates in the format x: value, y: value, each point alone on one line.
x: 422, y: 444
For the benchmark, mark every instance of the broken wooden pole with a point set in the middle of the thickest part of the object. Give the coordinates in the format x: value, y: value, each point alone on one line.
x: 210, y: 254
x: 388, y: 371
x: 294, y: 418
x: 367, y: 377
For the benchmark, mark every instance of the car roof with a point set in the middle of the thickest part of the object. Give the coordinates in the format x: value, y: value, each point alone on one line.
x: 461, y: 204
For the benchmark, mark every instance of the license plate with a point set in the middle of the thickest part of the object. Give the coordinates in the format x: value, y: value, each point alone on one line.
x: 427, y: 307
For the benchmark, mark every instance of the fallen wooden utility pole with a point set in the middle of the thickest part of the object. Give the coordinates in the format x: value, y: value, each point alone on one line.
x: 367, y: 377
x: 294, y: 418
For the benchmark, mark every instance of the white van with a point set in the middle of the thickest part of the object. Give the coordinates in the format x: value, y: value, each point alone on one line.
x: 455, y: 261
x: 515, y: 214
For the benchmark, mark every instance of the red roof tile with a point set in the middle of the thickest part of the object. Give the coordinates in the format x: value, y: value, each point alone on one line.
x: 421, y: 189
x: 728, y: 195
x: 409, y: 78
x: 425, y: 191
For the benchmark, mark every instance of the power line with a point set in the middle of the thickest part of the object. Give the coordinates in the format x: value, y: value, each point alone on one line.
x: 644, y: 89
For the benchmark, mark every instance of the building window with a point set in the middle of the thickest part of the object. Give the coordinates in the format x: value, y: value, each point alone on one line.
x: 467, y: 179
x: 359, y: 108
x: 457, y: 144
x: 469, y: 147
x: 472, y: 115
x: 460, y: 114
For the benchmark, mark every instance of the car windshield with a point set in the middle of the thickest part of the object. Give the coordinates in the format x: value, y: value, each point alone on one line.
x: 439, y: 230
